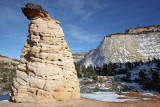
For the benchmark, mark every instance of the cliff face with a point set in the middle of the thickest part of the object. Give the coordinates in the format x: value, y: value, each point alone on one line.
x: 120, y: 48
x: 46, y: 72
x: 86, y: 57
x: 78, y: 56
x: 155, y: 28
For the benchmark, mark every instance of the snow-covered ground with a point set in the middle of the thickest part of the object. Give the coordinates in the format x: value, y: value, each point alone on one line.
x: 100, y: 96
x: 105, y: 96
x: 112, y: 97
x: 135, y: 74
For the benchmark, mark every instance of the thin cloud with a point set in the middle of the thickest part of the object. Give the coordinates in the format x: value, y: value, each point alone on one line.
x: 82, y: 8
x: 80, y: 35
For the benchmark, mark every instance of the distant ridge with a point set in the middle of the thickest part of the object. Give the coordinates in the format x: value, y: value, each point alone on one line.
x: 7, y: 59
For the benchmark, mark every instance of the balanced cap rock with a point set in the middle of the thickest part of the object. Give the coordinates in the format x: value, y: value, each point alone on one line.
x: 46, y: 72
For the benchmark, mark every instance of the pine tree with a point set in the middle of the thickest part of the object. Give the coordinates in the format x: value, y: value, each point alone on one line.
x: 100, y: 71
x: 78, y: 71
x: 141, y: 74
x: 155, y: 76
x: 105, y: 69
x: 110, y: 70
x: 85, y: 74
x: 92, y: 71
x: 128, y: 74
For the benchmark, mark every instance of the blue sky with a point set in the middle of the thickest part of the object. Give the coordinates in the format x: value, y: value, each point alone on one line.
x: 84, y: 22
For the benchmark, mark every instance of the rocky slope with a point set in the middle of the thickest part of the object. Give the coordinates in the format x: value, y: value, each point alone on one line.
x: 154, y: 28
x: 87, y: 55
x: 7, y: 59
x: 134, y: 45
x: 46, y: 72
x: 78, y: 56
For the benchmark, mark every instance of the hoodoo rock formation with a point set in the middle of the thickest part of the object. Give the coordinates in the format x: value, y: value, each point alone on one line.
x: 46, y: 72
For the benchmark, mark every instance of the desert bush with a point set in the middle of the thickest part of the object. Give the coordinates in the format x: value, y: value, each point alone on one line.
x: 96, y: 89
x: 95, y: 78
x: 125, y: 89
x: 7, y: 87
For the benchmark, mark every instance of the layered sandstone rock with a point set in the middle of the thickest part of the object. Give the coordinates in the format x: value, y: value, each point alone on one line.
x: 78, y: 56
x: 155, y: 28
x: 127, y: 47
x: 87, y: 55
x: 46, y: 72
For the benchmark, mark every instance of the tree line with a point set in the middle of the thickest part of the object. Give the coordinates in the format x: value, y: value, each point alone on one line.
x: 149, y: 79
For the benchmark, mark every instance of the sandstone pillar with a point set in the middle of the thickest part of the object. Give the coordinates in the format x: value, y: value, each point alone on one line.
x: 46, y: 72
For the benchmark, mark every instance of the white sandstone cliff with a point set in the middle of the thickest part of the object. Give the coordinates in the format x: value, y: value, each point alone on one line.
x: 127, y: 47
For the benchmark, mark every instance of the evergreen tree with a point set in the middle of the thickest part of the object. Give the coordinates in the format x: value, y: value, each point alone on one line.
x: 114, y: 66
x: 141, y: 74
x: 105, y: 69
x: 120, y: 65
x: 148, y: 85
x: 129, y: 65
x: 97, y: 70
x: 110, y: 70
x: 84, y: 71
x: 92, y: 71
x: 100, y: 71
x: 155, y: 76
x: 78, y: 71
x: 128, y: 74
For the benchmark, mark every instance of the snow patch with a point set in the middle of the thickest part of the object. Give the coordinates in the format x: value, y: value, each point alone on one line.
x: 106, y: 96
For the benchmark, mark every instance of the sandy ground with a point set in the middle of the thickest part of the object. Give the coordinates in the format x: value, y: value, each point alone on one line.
x: 153, y: 102
x: 85, y: 103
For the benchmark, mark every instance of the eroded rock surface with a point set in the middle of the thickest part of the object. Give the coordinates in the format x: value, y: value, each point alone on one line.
x: 139, y: 44
x: 155, y: 28
x: 78, y: 56
x: 46, y: 72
